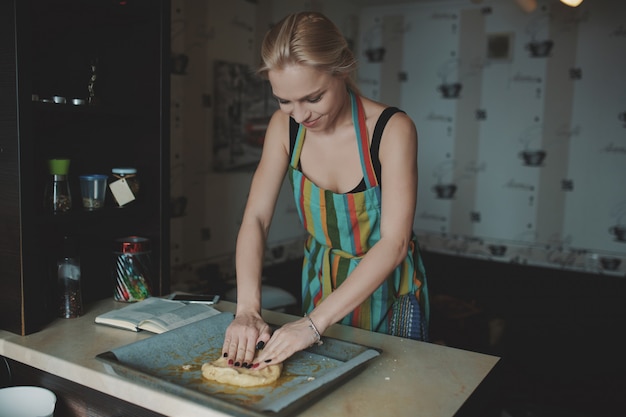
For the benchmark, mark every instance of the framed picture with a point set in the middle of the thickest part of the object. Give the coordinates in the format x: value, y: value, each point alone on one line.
x: 243, y: 107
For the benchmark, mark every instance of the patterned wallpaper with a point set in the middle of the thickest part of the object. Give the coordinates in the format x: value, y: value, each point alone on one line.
x: 521, y: 117
x: 521, y: 121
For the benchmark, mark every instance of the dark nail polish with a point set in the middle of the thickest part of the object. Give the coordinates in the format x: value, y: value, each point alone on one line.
x: 249, y: 366
x: 256, y: 365
x: 244, y: 365
x: 268, y: 360
x: 237, y: 364
x: 225, y: 354
x: 230, y: 361
x: 260, y: 345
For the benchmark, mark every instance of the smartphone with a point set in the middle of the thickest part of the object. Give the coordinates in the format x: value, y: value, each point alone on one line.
x: 195, y: 298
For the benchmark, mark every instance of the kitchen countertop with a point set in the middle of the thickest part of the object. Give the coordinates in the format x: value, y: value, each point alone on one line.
x: 407, y: 376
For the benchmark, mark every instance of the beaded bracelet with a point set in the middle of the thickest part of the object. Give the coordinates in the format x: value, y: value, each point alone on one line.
x: 319, y: 340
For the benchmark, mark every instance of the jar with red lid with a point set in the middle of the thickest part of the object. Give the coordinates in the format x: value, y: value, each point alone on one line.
x: 132, y: 269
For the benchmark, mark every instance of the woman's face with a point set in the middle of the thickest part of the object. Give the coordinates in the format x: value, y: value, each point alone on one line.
x: 312, y: 97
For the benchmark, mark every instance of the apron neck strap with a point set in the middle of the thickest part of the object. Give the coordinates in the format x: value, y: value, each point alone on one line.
x: 358, y: 119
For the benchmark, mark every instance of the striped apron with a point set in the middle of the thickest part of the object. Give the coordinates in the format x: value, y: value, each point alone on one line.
x: 341, y: 229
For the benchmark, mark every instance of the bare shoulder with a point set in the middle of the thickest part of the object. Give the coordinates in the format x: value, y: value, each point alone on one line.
x: 399, y: 124
x: 399, y: 138
x: 373, y: 109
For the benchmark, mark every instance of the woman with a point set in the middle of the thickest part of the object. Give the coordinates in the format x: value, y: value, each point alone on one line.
x: 361, y: 254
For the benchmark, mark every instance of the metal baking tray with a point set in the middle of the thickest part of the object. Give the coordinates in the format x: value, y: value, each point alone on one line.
x: 172, y: 362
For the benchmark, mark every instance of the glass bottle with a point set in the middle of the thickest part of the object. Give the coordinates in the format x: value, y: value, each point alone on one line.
x: 57, y: 196
x: 69, y: 294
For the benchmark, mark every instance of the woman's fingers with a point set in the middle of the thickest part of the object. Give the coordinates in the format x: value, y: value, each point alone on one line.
x: 248, y: 334
x: 289, y: 339
x: 248, y: 351
x: 241, y: 340
x: 253, y: 345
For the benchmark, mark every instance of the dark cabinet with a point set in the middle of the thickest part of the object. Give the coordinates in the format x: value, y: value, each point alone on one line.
x: 112, y: 57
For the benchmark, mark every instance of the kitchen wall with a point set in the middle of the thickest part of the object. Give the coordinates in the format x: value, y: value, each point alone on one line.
x: 521, y: 118
x: 522, y: 125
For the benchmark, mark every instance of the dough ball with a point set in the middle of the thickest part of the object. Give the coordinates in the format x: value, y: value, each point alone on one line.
x: 221, y: 372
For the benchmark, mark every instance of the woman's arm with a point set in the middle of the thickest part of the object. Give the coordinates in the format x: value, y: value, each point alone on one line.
x: 398, y: 156
x: 248, y: 328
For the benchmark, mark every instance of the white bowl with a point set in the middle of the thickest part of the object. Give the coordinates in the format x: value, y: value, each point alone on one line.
x: 25, y: 401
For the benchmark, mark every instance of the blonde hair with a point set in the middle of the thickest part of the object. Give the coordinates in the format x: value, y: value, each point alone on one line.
x: 308, y: 38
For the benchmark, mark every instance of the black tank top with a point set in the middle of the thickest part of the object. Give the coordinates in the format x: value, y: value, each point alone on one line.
x: 374, y: 147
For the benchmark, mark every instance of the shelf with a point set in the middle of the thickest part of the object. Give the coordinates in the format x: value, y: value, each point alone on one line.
x: 101, y: 110
x: 76, y: 214
x: 51, y: 49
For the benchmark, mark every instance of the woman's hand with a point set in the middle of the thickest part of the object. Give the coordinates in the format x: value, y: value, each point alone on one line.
x: 243, y: 336
x: 289, y: 339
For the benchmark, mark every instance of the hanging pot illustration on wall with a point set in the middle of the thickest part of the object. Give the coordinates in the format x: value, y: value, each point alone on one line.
x: 450, y: 90
x: 373, y: 42
x: 533, y: 158
x: 179, y: 63
x: 444, y: 191
x: 375, y: 54
x: 539, y: 49
x: 619, y: 231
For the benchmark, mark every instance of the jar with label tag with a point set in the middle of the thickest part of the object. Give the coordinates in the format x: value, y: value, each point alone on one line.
x: 124, y: 185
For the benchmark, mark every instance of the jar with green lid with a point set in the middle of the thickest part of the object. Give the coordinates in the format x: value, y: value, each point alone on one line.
x: 124, y: 185
x: 57, y: 196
